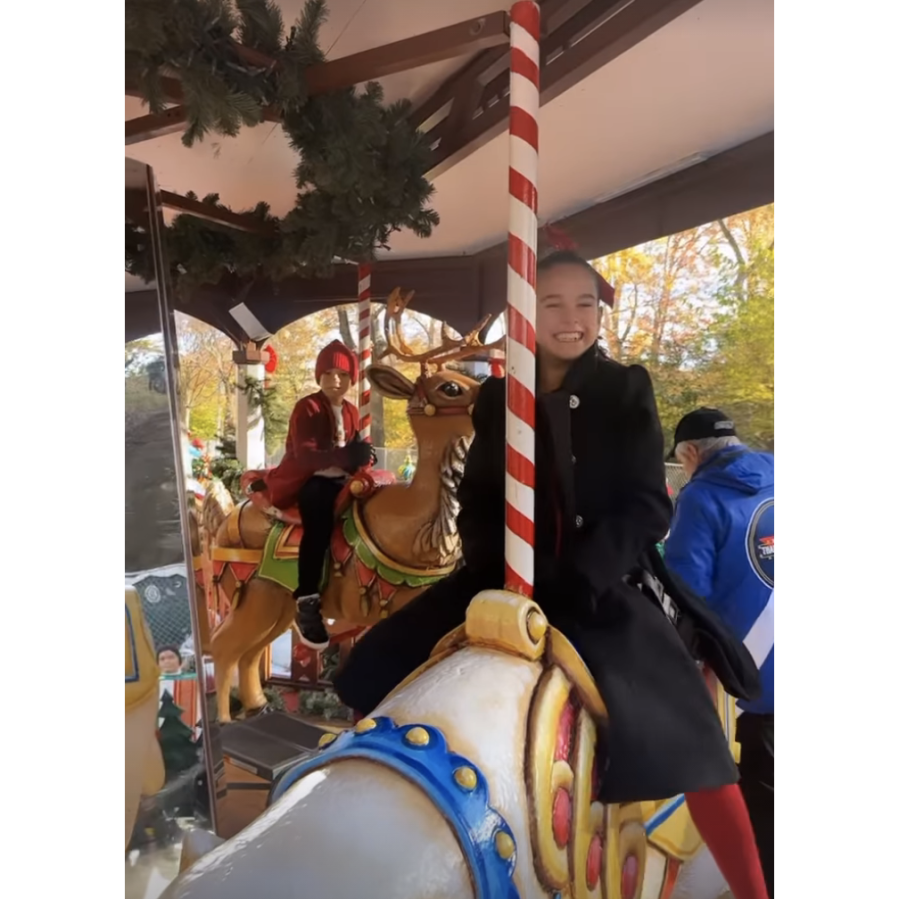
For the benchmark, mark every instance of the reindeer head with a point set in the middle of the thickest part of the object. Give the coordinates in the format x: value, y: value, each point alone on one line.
x: 439, y: 401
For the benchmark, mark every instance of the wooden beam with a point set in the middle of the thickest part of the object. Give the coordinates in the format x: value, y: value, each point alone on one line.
x: 171, y: 89
x: 596, y: 33
x: 726, y: 184
x: 149, y: 127
x: 616, y: 31
x: 471, y: 36
x: 482, y: 68
x: 208, y: 213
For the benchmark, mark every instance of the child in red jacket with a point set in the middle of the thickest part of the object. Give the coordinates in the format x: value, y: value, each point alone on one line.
x: 324, y: 448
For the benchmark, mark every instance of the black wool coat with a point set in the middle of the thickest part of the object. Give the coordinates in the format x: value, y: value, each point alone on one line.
x: 601, y: 506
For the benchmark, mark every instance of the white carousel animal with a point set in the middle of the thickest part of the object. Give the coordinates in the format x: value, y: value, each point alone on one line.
x: 477, y: 777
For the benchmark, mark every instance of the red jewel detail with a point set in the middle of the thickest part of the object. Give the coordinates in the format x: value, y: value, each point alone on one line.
x: 566, y: 727
x: 629, y: 875
x: 562, y: 817
x: 594, y: 861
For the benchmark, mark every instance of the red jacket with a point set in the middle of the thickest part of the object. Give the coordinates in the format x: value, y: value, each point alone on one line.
x: 310, y: 447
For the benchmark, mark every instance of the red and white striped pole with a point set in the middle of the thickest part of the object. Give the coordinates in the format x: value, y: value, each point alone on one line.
x: 521, y: 368
x: 364, y: 349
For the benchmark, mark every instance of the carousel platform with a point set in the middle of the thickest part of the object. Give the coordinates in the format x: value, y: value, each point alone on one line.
x: 267, y: 745
x: 256, y: 752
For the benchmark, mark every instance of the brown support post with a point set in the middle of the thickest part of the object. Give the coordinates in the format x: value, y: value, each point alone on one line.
x: 250, y: 353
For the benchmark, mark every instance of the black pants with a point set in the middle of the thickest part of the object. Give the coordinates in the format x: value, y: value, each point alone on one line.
x: 755, y: 734
x: 316, y: 502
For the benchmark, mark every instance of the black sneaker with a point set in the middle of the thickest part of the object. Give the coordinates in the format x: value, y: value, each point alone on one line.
x: 311, y: 624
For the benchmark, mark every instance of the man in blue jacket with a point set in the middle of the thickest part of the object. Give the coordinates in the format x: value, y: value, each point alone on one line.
x: 722, y: 545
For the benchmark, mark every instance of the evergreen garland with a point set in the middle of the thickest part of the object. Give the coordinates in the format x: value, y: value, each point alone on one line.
x: 362, y: 168
x: 265, y: 399
x: 226, y: 467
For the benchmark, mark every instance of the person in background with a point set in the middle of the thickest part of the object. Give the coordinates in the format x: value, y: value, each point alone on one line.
x: 324, y: 448
x: 722, y: 545
x: 169, y: 659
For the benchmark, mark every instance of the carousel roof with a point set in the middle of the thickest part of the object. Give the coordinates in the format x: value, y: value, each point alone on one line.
x: 657, y: 115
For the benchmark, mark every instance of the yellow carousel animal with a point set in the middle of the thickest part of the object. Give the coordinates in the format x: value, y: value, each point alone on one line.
x: 144, y: 769
x: 389, y: 543
x: 477, y: 778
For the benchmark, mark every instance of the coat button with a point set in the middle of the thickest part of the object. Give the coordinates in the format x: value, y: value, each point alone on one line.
x: 578, y: 521
x: 573, y: 459
x: 573, y: 401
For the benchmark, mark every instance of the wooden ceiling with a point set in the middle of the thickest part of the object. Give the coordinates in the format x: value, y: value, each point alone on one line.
x: 657, y: 115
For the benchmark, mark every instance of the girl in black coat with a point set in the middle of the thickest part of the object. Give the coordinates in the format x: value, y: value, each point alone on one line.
x: 601, y: 506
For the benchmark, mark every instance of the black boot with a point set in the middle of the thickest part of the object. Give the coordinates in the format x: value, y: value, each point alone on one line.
x: 310, y: 622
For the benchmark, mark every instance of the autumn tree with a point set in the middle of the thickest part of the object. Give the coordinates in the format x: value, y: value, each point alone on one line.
x: 207, y: 376
x: 665, y: 298
x: 741, y: 373
x: 697, y: 309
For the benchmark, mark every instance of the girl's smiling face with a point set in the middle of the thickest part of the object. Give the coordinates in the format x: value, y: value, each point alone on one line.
x: 568, y: 313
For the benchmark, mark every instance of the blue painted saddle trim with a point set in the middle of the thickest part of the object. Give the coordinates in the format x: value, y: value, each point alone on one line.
x: 432, y: 767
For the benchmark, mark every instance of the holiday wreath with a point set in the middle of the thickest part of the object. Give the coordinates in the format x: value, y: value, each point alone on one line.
x: 362, y: 168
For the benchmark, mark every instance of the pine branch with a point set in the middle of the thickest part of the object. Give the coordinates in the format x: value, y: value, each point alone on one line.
x: 261, y: 25
x: 361, y: 173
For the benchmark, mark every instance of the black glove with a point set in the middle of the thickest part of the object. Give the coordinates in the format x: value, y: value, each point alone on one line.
x: 360, y: 454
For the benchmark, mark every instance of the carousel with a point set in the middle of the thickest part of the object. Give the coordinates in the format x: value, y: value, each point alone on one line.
x: 479, y: 775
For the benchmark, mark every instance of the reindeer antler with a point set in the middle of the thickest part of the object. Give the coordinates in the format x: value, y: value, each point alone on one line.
x: 470, y: 345
x: 450, y: 349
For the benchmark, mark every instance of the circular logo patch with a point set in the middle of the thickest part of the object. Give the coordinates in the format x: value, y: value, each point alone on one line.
x: 760, y: 542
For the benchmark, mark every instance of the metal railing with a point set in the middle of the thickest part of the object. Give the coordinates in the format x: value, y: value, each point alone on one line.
x: 676, y: 477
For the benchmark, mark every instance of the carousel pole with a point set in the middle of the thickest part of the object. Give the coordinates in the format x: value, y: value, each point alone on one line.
x: 364, y: 271
x: 521, y: 367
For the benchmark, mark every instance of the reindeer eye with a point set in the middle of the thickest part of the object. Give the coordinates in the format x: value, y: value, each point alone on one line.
x: 450, y: 389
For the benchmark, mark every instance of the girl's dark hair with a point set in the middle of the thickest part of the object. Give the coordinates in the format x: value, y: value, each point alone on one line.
x: 568, y: 257
x: 173, y: 649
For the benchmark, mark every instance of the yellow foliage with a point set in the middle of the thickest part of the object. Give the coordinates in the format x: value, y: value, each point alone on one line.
x: 697, y: 309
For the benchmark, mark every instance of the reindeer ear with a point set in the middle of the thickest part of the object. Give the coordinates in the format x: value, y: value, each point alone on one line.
x: 389, y: 382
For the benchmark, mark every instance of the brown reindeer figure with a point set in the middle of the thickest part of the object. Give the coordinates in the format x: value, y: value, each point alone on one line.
x: 390, y: 542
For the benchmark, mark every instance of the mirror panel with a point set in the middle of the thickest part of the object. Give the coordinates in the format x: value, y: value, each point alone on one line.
x: 168, y: 743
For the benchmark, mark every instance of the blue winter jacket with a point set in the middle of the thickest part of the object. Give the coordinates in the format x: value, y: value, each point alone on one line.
x: 722, y: 544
